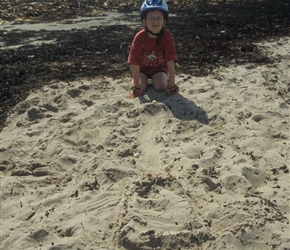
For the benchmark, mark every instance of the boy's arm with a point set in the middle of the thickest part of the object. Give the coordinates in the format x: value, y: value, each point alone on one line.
x: 135, y: 74
x: 136, y: 89
x: 171, y: 72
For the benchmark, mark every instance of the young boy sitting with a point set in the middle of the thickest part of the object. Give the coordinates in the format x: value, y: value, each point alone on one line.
x: 152, y: 53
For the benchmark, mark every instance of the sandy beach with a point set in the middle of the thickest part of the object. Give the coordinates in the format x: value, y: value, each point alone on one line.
x: 83, y: 167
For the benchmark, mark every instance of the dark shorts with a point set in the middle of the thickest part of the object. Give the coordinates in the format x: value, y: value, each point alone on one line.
x: 150, y: 76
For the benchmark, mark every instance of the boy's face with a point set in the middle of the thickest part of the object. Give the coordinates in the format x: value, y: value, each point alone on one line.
x: 154, y: 21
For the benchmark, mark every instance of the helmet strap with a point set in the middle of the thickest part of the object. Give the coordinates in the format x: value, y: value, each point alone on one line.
x: 155, y: 34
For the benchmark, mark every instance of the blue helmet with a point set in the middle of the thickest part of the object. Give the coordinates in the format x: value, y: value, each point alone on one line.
x: 154, y: 5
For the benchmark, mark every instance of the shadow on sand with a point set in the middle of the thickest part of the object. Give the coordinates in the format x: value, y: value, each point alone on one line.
x: 181, y: 107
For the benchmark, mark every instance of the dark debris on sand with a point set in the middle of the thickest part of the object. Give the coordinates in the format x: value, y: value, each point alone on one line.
x: 207, y: 36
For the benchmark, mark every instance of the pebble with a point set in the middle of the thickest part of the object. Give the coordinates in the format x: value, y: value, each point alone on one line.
x: 165, y: 156
x: 136, y: 155
x: 166, y: 168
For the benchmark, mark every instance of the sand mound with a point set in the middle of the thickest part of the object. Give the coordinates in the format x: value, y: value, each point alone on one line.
x: 85, y: 168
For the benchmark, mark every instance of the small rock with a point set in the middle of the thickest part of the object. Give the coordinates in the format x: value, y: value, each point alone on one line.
x: 165, y: 156
x: 166, y: 168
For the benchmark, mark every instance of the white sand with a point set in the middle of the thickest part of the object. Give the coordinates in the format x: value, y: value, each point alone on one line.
x: 83, y: 167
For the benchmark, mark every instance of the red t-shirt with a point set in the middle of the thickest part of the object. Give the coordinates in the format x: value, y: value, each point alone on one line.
x: 152, y: 54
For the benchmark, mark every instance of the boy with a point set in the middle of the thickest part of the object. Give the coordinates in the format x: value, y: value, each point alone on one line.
x: 152, y: 53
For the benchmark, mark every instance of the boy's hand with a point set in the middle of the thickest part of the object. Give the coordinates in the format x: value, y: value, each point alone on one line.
x: 135, y: 92
x: 172, y: 90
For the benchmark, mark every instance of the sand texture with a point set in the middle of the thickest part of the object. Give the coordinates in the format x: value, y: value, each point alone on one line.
x: 83, y: 167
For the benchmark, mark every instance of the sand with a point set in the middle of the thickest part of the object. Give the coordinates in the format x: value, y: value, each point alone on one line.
x: 83, y: 167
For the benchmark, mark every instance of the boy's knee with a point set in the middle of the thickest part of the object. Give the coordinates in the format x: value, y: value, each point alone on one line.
x: 160, y: 88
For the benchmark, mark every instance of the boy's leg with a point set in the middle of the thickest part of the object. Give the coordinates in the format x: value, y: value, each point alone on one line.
x: 159, y: 81
x: 143, y: 81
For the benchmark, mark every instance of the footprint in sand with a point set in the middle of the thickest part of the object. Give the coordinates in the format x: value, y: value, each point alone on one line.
x: 156, y: 210
x: 87, y: 102
x: 34, y: 113
x: 74, y: 93
x: 255, y: 176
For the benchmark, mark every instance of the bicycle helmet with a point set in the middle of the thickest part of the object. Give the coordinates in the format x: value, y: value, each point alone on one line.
x: 154, y: 5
